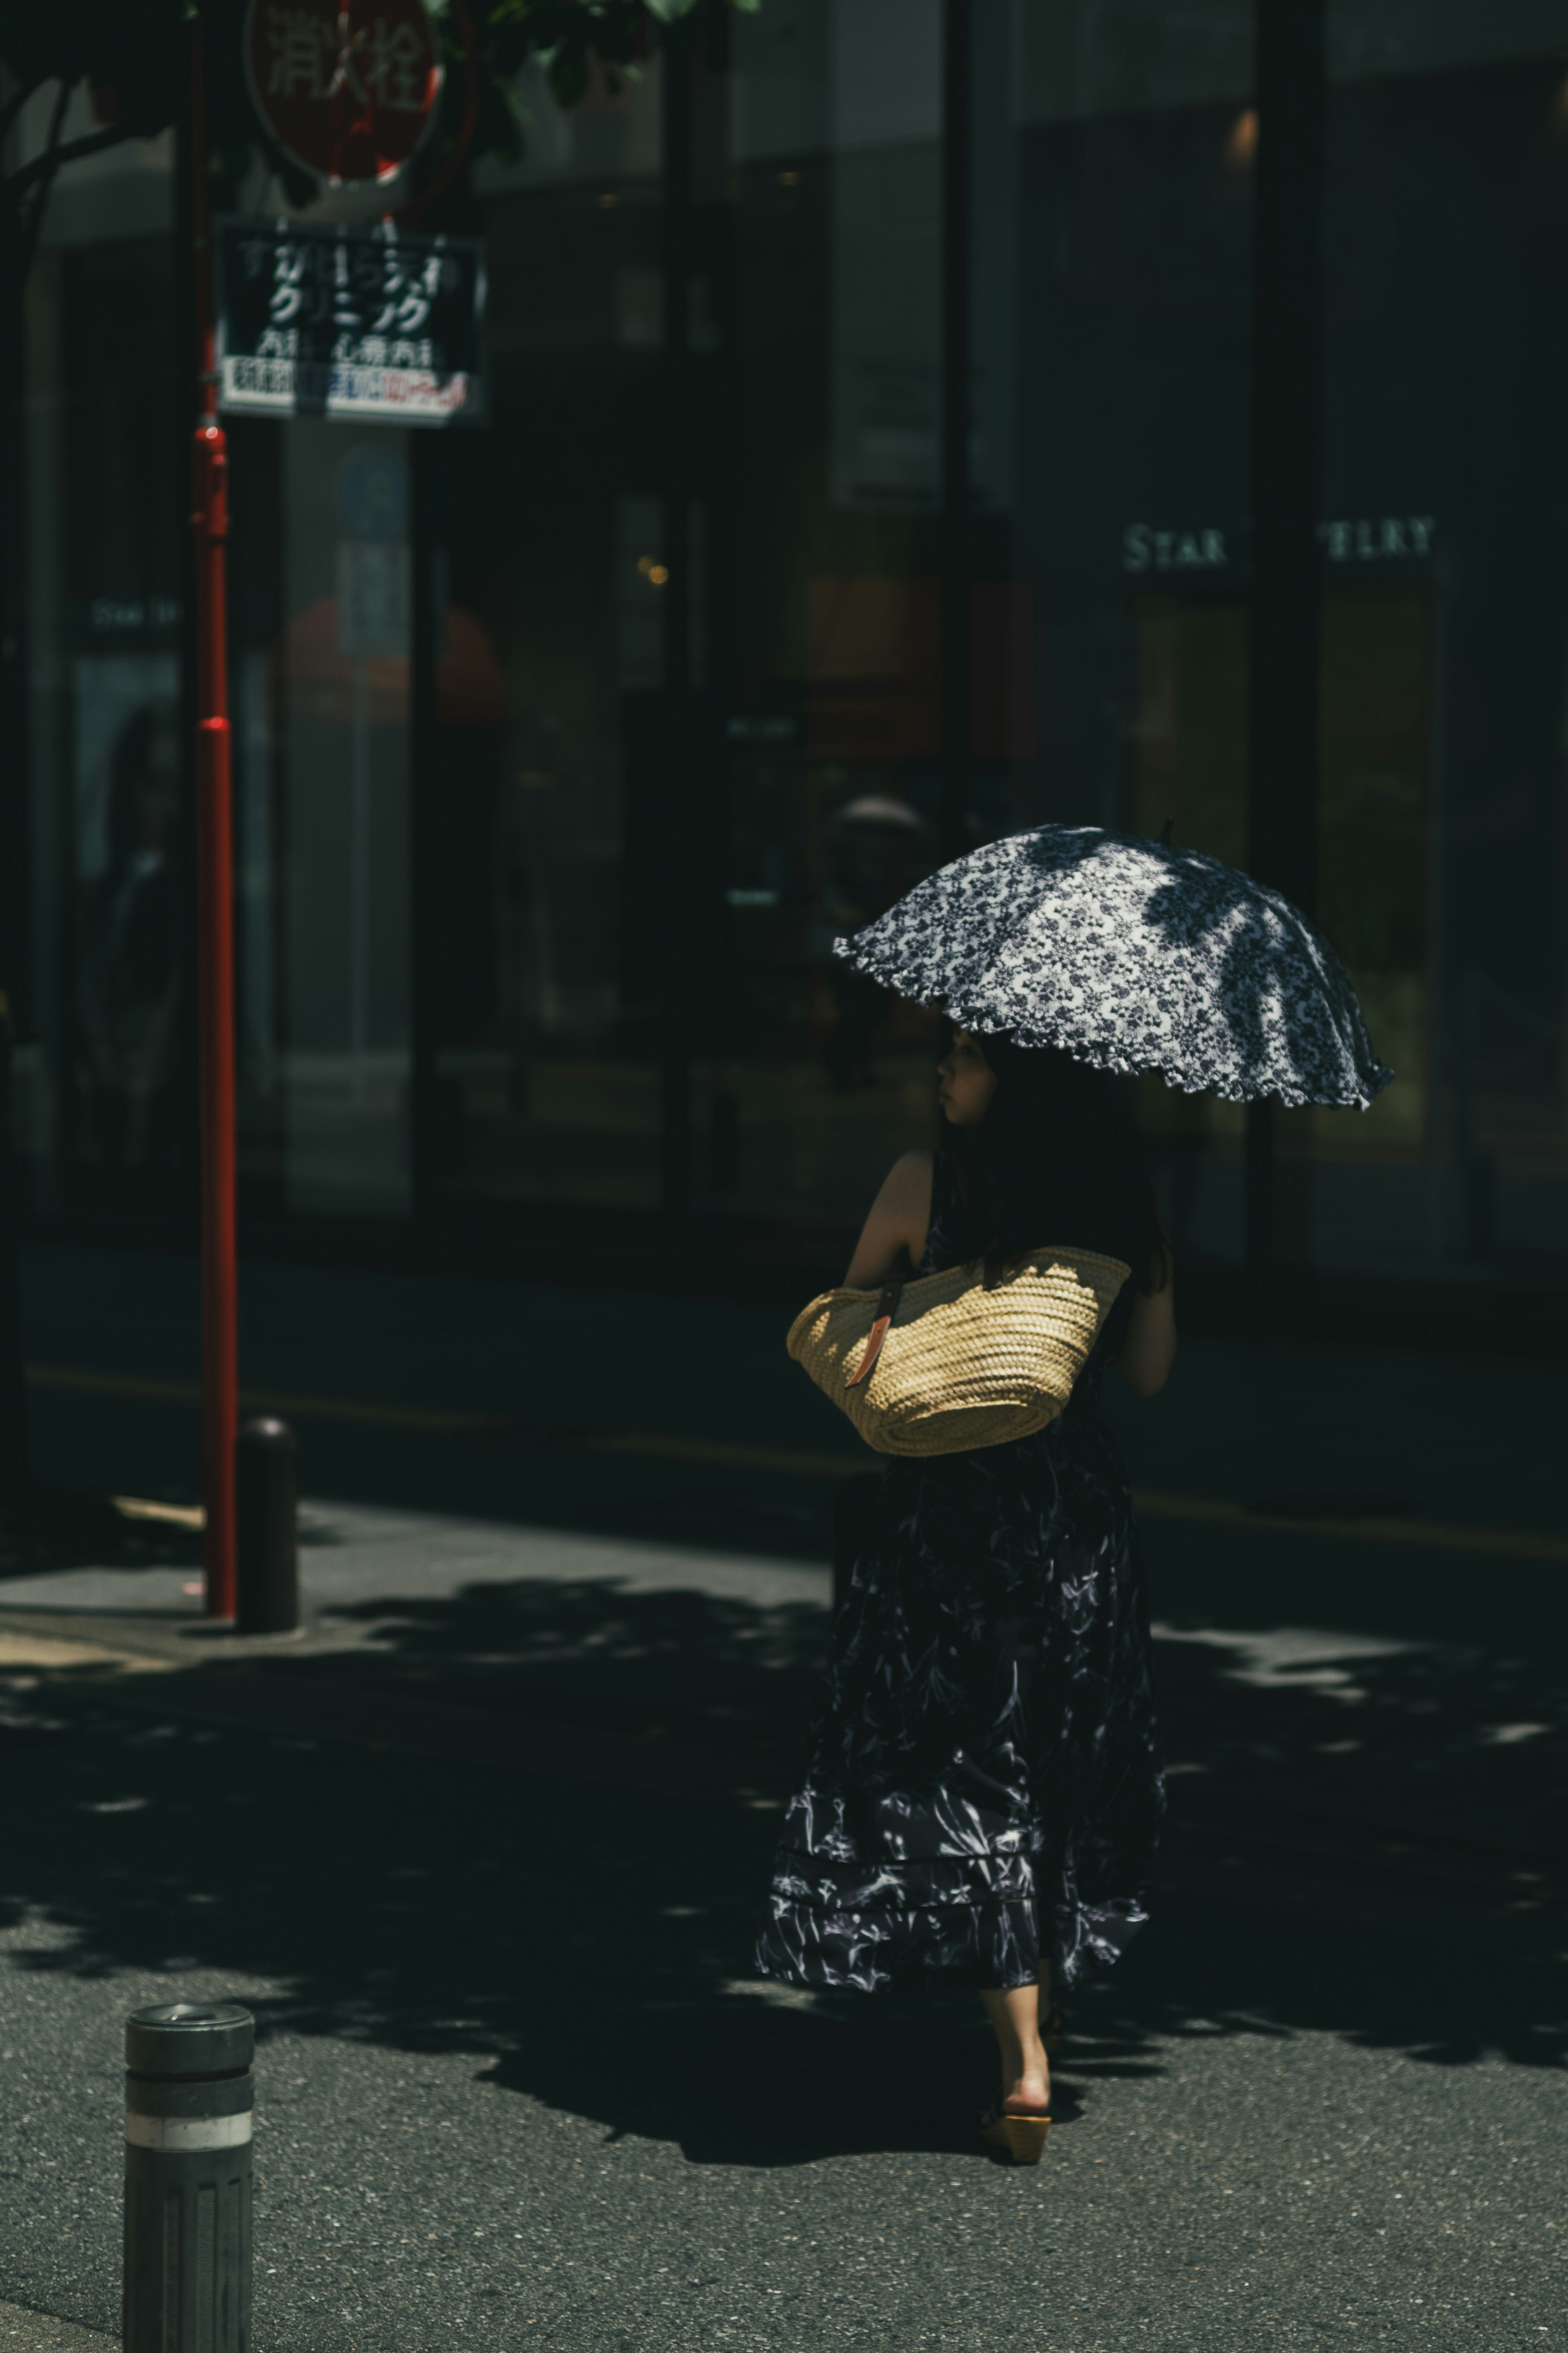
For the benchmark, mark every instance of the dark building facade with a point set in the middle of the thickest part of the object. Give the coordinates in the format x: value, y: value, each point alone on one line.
x: 867, y: 471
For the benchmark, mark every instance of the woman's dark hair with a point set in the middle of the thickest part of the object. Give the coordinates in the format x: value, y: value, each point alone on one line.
x: 1055, y: 1161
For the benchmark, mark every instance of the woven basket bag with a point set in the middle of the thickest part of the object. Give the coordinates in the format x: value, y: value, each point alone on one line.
x: 976, y: 1356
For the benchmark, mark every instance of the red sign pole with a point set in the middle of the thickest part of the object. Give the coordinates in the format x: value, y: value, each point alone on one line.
x: 215, y: 884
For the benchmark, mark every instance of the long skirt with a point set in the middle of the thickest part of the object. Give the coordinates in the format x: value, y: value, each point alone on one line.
x: 984, y: 1790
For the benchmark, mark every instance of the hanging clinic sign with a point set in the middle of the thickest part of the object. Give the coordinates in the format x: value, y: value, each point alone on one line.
x: 365, y: 322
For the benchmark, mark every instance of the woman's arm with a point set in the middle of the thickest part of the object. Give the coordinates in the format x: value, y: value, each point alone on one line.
x: 1150, y: 1344
x: 1150, y: 1347
x: 901, y: 1216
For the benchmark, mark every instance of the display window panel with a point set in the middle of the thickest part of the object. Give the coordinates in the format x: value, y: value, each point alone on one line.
x: 813, y: 1080
x: 551, y: 585
x: 342, y: 703
x: 105, y: 1074
x: 1442, y: 810
x: 1438, y: 814
x: 565, y: 749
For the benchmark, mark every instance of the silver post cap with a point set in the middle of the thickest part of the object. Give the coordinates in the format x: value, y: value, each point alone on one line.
x: 176, y: 2039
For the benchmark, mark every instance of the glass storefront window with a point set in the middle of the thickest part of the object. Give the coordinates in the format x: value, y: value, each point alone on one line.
x: 1187, y: 766
x: 106, y: 1086
x: 565, y: 747
x: 816, y: 1080
x: 1442, y: 779
x: 812, y: 598
x: 101, y: 1081
x: 1442, y: 666
x: 552, y: 585
x: 340, y: 689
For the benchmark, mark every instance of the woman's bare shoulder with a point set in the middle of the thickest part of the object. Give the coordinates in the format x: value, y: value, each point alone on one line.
x: 907, y: 1188
x: 912, y: 1170
x: 898, y: 1222
x: 906, y: 1198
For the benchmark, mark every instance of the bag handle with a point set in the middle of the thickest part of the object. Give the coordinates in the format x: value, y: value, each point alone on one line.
x: 887, y: 1307
x: 995, y: 1266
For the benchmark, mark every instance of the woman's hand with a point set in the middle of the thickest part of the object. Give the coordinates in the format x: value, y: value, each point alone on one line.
x: 897, y: 1227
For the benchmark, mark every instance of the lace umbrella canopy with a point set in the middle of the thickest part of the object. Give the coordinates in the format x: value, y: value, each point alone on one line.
x: 1131, y: 956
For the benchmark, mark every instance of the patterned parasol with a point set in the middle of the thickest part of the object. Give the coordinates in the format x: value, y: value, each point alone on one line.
x: 1131, y: 956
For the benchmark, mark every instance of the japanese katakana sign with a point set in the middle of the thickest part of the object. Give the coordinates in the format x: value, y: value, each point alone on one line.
x: 347, y: 87
x: 338, y: 321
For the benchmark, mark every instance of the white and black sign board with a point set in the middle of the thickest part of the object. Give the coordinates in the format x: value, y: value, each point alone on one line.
x: 367, y: 323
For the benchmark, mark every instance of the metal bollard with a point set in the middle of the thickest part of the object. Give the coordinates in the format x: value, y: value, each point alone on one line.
x: 188, y: 2178
x: 266, y: 1477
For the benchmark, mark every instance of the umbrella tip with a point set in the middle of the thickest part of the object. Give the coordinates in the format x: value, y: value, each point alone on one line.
x: 1168, y: 833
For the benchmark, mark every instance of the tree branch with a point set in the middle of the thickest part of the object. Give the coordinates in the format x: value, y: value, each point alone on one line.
x: 32, y: 220
x: 45, y: 167
x: 57, y: 120
x: 17, y: 100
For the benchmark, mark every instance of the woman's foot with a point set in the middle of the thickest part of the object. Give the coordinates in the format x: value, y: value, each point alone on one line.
x: 1021, y: 2117
x: 1026, y: 2090
x: 1014, y: 2013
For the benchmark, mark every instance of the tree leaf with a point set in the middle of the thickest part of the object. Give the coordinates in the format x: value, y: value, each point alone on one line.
x: 568, y: 74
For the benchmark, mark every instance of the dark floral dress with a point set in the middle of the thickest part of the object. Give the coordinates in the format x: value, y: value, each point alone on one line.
x: 985, y: 1788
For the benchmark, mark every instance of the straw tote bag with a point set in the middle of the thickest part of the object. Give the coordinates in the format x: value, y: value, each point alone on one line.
x: 977, y: 1357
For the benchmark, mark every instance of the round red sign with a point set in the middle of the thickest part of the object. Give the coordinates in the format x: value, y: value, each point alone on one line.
x: 347, y: 91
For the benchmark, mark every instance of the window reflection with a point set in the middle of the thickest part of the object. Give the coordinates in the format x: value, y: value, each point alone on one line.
x: 517, y: 734
x: 130, y: 975
x: 343, y: 668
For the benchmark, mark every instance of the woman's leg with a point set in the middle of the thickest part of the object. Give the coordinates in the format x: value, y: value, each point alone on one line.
x: 1014, y: 2015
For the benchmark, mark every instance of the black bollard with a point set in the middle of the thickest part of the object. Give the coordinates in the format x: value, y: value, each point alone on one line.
x: 265, y: 1470
x: 188, y: 2178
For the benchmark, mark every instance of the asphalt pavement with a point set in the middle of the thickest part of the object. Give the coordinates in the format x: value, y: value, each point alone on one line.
x: 483, y: 1851
x: 516, y: 2083
x: 39, y: 2332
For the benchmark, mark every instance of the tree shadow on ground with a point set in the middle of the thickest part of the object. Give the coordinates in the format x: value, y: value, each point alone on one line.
x: 608, y: 1638
x: 430, y: 1904
x: 1298, y: 1680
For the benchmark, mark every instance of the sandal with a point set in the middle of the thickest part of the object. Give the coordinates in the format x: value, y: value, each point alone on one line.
x: 1023, y: 2136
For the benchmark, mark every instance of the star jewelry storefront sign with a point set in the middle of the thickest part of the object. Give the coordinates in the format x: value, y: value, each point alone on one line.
x: 1382, y: 539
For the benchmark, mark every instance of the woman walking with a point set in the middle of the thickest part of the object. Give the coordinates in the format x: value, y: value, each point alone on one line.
x: 984, y: 1792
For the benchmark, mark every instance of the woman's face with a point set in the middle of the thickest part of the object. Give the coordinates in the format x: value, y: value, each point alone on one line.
x: 967, y: 1081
